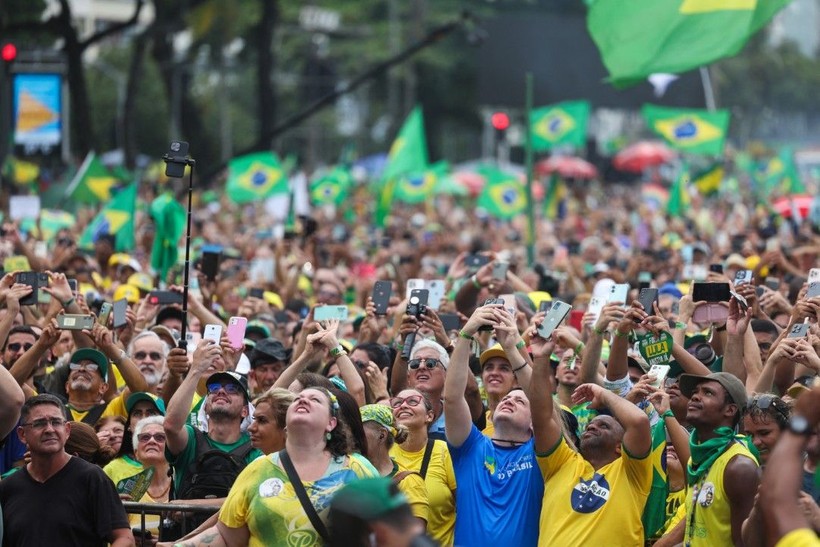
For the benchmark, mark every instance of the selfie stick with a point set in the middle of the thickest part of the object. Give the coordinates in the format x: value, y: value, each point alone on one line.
x: 184, y: 160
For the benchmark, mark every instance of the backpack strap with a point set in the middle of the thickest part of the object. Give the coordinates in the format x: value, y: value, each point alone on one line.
x: 299, y: 489
x: 401, y: 475
x: 425, y: 461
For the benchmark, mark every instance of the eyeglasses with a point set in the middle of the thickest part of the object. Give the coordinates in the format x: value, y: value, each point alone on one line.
x: 140, y: 355
x: 763, y: 402
x: 413, y: 400
x: 145, y: 437
x: 15, y: 346
x: 42, y: 423
x: 429, y: 362
x: 87, y: 366
x: 230, y: 389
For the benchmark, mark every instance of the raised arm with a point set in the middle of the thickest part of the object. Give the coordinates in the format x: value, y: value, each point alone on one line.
x: 130, y: 372
x: 545, y: 428
x: 610, y: 315
x: 617, y: 366
x: 736, y: 326
x: 11, y: 401
x: 25, y: 366
x: 637, y: 434
x: 506, y: 332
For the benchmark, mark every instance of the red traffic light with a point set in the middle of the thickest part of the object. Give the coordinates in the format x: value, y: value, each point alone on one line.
x: 500, y: 120
x: 8, y: 52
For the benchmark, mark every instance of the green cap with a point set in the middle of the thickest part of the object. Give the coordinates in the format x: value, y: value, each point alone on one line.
x: 134, y: 398
x: 369, y: 499
x: 90, y: 354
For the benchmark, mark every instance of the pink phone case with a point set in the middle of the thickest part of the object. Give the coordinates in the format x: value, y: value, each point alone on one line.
x: 236, y: 331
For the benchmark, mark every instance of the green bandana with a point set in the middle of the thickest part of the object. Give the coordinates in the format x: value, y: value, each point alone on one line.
x: 705, y: 453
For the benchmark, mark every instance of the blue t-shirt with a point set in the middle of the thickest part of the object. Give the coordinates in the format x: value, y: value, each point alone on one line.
x: 498, y: 501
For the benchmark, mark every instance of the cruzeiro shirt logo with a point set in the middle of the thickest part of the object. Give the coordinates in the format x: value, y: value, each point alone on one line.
x: 589, y: 496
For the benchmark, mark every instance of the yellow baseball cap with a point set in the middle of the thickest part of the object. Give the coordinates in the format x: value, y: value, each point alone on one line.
x: 142, y: 281
x: 493, y: 351
x: 129, y: 292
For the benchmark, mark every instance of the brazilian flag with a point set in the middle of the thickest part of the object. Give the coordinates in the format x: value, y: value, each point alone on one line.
x: 255, y: 177
x: 93, y: 182
x: 420, y: 186
x: 333, y: 187
x: 679, y: 194
x: 654, y: 512
x: 637, y: 38
x: 779, y: 174
x: 504, y: 195
x: 557, y: 124
x: 117, y: 217
x: 709, y: 180
x: 689, y: 129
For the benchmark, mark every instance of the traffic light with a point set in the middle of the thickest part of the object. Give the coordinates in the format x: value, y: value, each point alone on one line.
x: 500, y: 121
x: 8, y: 52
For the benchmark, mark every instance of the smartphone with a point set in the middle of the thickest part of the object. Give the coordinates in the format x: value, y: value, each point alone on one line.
x: 799, y: 330
x: 648, y: 297
x: 435, y: 289
x: 741, y: 301
x: 772, y: 282
x: 78, y: 321
x: 772, y: 244
x: 619, y: 293
x: 475, y: 261
x: 119, y: 308
x: 381, y: 296
x: 412, y: 285
x: 711, y: 292
x: 545, y: 306
x: 556, y: 315
x: 236, y: 331
x: 644, y: 280
x: 176, y: 169
x: 813, y: 289
x: 500, y: 270
x: 660, y: 372
x: 716, y: 268
x: 213, y: 332
x: 31, y: 279
x: 327, y: 313
x: 595, y: 306
x: 743, y: 276
x: 209, y: 265
x: 450, y: 321
x: 74, y: 285
x: 105, y: 312
x: 256, y: 292
x: 417, y: 302
x: 814, y: 274
x: 164, y: 297
x: 192, y: 340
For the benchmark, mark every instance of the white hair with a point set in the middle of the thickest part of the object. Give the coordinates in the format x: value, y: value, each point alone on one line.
x: 148, y: 334
x: 142, y: 424
x: 443, y: 356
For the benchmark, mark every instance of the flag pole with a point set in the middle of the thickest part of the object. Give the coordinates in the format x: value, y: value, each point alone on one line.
x: 530, y: 236
x: 708, y: 91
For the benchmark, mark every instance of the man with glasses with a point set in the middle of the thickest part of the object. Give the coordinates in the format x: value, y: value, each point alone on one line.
x: 226, y: 405
x: 57, y: 499
x: 148, y: 352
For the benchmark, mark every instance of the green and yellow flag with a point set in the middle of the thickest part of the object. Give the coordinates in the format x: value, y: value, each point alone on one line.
x: 255, y: 177
x: 504, y: 195
x: 654, y: 512
x: 93, y: 182
x: 54, y: 220
x: 779, y: 174
x: 641, y: 37
x: 709, y: 180
x: 20, y: 172
x: 116, y: 218
x: 418, y: 187
x: 562, y: 123
x: 679, y: 194
x: 169, y: 224
x: 556, y: 191
x: 689, y: 129
x: 332, y: 187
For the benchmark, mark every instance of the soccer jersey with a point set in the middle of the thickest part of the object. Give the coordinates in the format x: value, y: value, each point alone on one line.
x: 500, y: 495
x: 263, y: 498
x: 412, y: 486
x: 586, y: 506
x: 441, y: 487
x: 802, y: 537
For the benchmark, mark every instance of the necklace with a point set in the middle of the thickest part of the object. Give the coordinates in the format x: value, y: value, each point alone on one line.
x: 161, y: 494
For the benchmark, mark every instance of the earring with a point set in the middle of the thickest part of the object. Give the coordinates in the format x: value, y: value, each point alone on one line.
x: 327, y: 435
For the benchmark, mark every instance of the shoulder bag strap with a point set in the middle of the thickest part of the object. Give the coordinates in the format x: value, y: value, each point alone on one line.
x: 401, y: 475
x: 425, y: 461
x: 299, y: 488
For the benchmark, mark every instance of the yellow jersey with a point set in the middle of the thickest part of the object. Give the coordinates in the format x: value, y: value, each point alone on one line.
x: 802, y: 537
x: 413, y: 486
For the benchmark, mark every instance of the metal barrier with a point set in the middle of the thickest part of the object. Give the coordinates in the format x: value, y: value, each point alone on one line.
x: 160, y: 509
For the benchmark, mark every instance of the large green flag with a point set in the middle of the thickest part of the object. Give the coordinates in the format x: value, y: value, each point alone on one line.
x: 169, y: 224
x: 504, y: 195
x: 641, y: 37
x: 332, y: 187
x: 255, y: 177
x: 779, y: 174
x: 562, y: 123
x: 678, y: 194
x: 116, y: 218
x: 54, y: 220
x: 420, y: 186
x: 654, y: 512
x: 709, y: 180
x: 689, y: 129
x: 93, y: 182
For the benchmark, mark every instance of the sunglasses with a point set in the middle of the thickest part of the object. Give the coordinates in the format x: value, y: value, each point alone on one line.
x: 763, y: 402
x: 230, y: 389
x: 87, y: 366
x: 15, y: 346
x: 42, y: 423
x: 413, y: 400
x: 145, y: 437
x: 140, y: 355
x: 429, y: 362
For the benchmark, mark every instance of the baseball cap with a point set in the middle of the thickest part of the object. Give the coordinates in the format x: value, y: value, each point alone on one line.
x: 369, y: 499
x: 257, y: 327
x: 268, y: 350
x: 123, y: 259
x: 142, y: 281
x: 381, y: 414
x: 134, y: 398
x: 730, y: 382
x: 230, y: 377
x: 166, y: 334
x: 169, y: 313
x: 735, y: 259
x: 493, y: 351
x: 670, y: 289
x: 93, y: 355
x: 130, y: 292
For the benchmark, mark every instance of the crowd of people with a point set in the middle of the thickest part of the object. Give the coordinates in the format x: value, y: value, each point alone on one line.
x: 517, y: 405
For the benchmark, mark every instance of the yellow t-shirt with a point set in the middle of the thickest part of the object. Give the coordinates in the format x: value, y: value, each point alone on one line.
x: 263, y: 499
x: 441, y: 487
x: 412, y: 486
x: 802, y: 537
x: 584, y: 506
x: 675, y: 509
x: 116, y: 407
x: 712, y: 518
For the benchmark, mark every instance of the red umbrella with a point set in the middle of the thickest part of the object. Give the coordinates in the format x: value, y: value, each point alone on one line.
x: 641, y: 155
x: 800, y: 203
x: 567, y: 166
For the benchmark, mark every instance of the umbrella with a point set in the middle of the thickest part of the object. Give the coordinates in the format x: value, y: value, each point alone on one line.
x: 800, y: 203
x: 567, y: 166
x: 641, y: 155
x: 472, y: 181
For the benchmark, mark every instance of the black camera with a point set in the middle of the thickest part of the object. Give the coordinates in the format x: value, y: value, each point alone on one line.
x: 176, y: 159
x: 704, y: 353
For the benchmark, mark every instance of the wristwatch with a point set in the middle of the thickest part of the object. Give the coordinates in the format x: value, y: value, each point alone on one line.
x: 799, y: 425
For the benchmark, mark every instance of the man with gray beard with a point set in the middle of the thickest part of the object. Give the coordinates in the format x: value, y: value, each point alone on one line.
x: 148, y: 352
